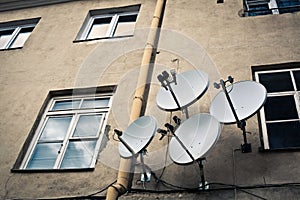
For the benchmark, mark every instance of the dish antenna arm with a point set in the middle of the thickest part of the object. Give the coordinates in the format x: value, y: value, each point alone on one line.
x: 246, y: 147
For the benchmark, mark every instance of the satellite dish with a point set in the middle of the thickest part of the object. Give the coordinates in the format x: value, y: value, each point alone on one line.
x: 247, y: 98
x: 198, y: 135
x: 189, y: 87
x: 137, y: 135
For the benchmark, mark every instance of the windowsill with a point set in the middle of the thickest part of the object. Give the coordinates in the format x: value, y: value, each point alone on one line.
x: 9, y: 49
x: 294, y: 149
x: 51, y: 170
x: 103, y: 38
x: 281, y: 12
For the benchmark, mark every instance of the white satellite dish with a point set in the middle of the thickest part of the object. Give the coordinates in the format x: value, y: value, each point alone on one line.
x: 189, y: 87
x: 247, y: 98
x: 137, y: 136
x: 197, y: 135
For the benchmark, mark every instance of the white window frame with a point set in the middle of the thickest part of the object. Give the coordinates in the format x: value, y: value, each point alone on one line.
x: 16, y: 26
x: 75, y: 113
x: 272, y: 5
x: 114, y: 13
x: 112, y: 26
x: 295, y: 93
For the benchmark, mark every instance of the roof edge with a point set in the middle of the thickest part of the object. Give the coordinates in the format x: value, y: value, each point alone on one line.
x: 9, y: 5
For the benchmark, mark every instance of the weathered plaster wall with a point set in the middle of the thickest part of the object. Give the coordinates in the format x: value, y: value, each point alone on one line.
x: 200, y: 34
x: 51, y: 61
x: 233, y: 44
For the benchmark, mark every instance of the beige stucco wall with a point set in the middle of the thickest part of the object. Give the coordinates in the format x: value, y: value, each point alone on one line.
x: 200, y: 34
x: 234, y: 44
x: 51, y: 61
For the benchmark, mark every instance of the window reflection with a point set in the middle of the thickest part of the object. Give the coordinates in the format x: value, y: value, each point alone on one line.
x: 95, y: 103
x: 125, y: 25
x: 56, y: 128
x: 88, y: 125
x: 66, y: 105
x: 79, y: 154
x: 68, y: 133
x: 99, y: 28
x: 44, y: 156
x: 5, y: 37
x: 22, y: 37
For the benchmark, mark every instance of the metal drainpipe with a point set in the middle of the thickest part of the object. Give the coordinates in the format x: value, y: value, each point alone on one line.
x: 123, y: 179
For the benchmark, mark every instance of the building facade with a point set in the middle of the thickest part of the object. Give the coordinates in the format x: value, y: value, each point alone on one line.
x: 77, y: 63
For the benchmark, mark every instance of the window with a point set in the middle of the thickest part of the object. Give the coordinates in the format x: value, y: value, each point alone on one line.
x: 68, y: 134
x: 280, y: 116
x: 109, y: 23
x: 265, y: 7
x: 14, y: 34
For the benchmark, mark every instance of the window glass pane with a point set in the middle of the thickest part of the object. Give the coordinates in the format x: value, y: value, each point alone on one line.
x: 289, y: 9
x: 297, y: 79
x: 95, y: 103
x: 79, y: 154
x: 287, y: 3
x: 284, y: 135
x: 5, y: 36
x: 56, y: 128
x: 125, y: 25
x: 277, y: 82
x: 88, y: 125
x: 22, y: 37
x: 280, y: 108
x: 258, y: 9
x: 99, y: 28
x: 287, y: 6
x: 44, y: 156
x: 66, y: 105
